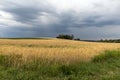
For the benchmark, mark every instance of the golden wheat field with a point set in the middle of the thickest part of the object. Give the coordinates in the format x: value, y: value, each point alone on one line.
x: 57, y: 50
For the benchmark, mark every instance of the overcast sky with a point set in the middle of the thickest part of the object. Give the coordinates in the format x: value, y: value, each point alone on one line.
x: 86, y: 19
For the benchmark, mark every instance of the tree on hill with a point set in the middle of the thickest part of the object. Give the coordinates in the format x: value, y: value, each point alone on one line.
x: 77, y: 39
x: 65, y: 36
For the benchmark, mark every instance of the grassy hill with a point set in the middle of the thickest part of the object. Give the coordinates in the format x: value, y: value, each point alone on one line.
x: 56, y: 59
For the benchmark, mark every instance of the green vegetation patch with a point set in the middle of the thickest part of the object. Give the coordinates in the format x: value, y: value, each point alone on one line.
x: 103, y: 67
x: 107, y: 56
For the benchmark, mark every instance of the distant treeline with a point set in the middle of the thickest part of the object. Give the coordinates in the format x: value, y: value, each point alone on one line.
x: 71, y: 37
x: 110, y: 40
x: 105, y: 40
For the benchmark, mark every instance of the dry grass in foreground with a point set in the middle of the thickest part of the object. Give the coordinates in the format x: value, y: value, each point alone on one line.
x: 63, y: 51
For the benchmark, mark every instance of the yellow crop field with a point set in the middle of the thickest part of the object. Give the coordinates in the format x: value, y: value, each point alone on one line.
x: 57, y: 50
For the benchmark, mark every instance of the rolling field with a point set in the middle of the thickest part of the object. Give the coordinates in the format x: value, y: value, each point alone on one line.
x: 56, y: 59
x: 63, y: 51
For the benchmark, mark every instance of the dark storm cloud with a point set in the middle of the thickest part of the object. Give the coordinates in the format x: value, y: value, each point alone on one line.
x: 28, y: 18
x: 24, y: 14
x: 29, y: 14
x: 92, y: 21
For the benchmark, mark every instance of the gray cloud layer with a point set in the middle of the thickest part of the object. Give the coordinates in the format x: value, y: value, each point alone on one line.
x: 87, y: 19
